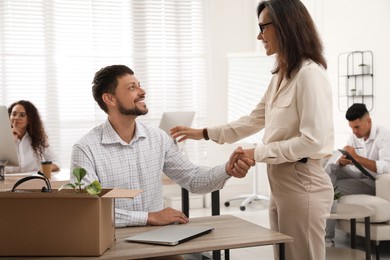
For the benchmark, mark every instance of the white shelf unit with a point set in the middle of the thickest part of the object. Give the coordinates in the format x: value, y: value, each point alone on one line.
x: 355, y: 79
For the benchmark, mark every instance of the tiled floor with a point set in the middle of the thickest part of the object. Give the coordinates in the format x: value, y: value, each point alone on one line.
x: 257, y: 212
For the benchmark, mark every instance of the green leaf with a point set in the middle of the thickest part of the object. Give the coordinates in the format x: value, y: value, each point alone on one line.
x: 79, y: 173
x: 68, y: 185
x: 94, y: 188
x: 337, y: 195
x: 79, y: 184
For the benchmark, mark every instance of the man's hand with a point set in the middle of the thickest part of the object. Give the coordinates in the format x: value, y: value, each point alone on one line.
x: 351, y: 151
x: 343, y: 161
x: 166, y: 216
x: 239, y: 165
x: 186, y: 133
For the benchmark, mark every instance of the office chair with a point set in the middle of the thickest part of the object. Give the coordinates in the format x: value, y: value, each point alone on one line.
x: 249, y: 198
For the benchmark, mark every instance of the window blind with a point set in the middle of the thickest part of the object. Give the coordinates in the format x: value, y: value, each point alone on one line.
x: 249, y: 77
x: 50, y: 50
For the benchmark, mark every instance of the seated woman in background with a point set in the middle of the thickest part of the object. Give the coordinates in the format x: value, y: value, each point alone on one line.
x: 30, y: 138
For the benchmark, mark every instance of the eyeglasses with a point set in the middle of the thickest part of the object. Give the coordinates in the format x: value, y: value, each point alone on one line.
x: 262, y: 26
x: 21, y: 114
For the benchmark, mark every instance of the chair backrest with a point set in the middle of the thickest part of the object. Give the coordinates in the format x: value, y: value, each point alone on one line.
x: 382, y: 185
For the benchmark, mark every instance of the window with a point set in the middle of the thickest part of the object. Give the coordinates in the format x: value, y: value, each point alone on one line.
x: 249, y: 77
x: 50, y: 50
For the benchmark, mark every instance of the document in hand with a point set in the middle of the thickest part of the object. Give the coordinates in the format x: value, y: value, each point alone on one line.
x: 358, y: 165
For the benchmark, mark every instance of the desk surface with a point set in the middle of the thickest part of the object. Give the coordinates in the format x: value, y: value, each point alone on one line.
x: 229, y: 232
x: 57, y: 180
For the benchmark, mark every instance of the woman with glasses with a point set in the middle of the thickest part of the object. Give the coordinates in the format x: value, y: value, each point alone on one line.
x: 30, y: 138
x: 296, y: 114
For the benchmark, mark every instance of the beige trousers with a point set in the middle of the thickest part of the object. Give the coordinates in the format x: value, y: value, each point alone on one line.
x: 301, y: 198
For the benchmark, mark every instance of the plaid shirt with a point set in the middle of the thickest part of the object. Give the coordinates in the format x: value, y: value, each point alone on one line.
x: 138, y: 165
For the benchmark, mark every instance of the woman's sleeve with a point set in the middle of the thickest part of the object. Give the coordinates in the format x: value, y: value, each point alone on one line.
x: 241, y: 128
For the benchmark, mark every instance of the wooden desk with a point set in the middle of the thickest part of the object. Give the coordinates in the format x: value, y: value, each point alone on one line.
x: 229, y: 233
x: 57, y: 179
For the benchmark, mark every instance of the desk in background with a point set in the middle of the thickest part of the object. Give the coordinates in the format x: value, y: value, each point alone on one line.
x: 229, y: 233
x: 57, y: 179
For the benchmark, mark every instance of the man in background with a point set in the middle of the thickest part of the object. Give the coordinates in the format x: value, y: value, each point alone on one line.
x: 369, y: 145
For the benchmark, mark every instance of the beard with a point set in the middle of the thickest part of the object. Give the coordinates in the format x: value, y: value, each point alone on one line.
x: 133, y: 111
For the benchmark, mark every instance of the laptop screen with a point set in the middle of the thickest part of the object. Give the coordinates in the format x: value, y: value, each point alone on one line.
x: 172, y: 119
x: 8, y: 153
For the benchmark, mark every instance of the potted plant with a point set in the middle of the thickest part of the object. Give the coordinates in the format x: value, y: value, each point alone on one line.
x: 94, y: 188
x: 336, y: 196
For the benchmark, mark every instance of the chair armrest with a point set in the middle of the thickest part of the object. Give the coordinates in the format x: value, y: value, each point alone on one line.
x: 382, y: 184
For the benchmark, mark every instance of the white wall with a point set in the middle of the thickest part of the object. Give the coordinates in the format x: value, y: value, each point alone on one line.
x: 345, y: 25
x: 231, y: 27
x: 351, y: 25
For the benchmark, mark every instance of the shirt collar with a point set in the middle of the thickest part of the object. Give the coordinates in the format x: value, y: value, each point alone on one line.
x: 26, y: 136
x: 110, y: 136
x: 372, y: 132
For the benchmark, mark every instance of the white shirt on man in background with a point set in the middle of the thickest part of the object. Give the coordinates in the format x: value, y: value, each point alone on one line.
x: 376, y: 147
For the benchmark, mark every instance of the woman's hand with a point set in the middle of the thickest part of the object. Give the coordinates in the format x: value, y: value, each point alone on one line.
x: 17, y: 132
x: 184, y: 133
x: 239, y: 165
x: 249, y: 153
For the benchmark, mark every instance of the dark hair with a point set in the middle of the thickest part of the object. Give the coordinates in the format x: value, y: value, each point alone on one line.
x: 297, y: 35
x: 356, y: 111
x: 105, y: 81
x: 35, y: 129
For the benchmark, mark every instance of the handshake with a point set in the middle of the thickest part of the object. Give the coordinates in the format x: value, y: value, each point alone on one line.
x: 240, y: 161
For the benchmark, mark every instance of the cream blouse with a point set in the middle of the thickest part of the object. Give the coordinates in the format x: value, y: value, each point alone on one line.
x: 297, y: 119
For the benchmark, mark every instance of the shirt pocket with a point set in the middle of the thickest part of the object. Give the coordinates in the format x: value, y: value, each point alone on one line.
x: 280, y: 112
x: 283, y: 102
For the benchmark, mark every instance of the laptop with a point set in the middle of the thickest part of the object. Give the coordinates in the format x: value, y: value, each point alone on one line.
x: 170, y: 235
x: 8, y: 155
x: 172, y: 119
x: 358, y: 165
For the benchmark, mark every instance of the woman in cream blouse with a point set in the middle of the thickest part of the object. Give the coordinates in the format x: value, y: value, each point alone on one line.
x: 296, y: 114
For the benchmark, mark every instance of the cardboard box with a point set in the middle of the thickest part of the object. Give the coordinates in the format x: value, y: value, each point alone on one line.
x: 58, y: 224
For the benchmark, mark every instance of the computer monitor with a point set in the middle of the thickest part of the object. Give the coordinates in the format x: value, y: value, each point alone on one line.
x: 172, y: 119
x: 8, y: 155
